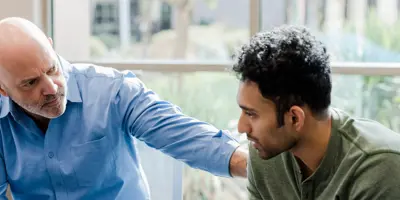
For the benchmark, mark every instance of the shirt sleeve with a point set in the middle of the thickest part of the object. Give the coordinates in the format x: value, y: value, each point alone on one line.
x: 161, y: 125
x: 377, y: 178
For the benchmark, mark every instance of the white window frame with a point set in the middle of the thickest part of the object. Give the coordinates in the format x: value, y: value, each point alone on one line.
x: 344, y: 68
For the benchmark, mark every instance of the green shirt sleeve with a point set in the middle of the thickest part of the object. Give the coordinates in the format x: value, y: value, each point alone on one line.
x: 377, y: 177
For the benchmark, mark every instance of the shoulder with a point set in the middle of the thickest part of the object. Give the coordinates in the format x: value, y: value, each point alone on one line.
x: 96, y: 73
x: 92, y: 71
x: 97, y: 80
x: 377, y: 177
x: 369, y: 136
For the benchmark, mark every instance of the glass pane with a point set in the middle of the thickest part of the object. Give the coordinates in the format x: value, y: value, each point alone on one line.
x: 154, y: 29
x: 211, y: 96
x: 353, y: 30
x: 372, y: 97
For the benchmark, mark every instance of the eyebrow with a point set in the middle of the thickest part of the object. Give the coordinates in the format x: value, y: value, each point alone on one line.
x: 247, y: 109
x: 28, y: 79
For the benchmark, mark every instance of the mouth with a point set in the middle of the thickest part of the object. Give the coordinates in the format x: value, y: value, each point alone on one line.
x: 251, y: 139
x: 254, y: 143
x: 52, y: 103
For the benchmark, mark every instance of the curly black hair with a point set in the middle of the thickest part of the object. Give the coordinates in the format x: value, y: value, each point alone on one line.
x: 290, y: 66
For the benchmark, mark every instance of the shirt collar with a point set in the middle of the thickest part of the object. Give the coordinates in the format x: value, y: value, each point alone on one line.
x: 5, y: 106
x: 73, y: 93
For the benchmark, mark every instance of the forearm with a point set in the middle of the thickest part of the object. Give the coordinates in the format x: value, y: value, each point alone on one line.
x: 162, y: 126
x: 238, y: 163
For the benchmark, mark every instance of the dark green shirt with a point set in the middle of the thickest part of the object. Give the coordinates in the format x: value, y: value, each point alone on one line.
x: 362, y: 162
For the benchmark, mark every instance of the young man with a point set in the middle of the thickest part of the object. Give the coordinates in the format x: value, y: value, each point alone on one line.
x: 66, y: 130
x: 300, y: 147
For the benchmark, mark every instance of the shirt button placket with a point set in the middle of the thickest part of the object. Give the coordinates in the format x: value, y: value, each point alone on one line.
x: 51, y: 154
x: 56, y: 180
x: 307, y: 190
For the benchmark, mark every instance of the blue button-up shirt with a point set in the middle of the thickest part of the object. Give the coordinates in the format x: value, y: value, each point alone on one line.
x: 89, y: 153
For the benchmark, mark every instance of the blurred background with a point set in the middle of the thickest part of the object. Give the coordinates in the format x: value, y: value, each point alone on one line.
x: 182, y: 49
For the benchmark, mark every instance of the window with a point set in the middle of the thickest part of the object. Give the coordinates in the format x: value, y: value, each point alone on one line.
x: 105, y: 19
x: 159, y: 29
x: 182, y: 48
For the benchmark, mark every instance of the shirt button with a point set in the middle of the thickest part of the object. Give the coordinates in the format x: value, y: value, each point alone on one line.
x: 51, y: 154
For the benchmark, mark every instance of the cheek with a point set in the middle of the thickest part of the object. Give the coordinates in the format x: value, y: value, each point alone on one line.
x: 261, y: 132
x: 269, y: 136
x: 32, y: 95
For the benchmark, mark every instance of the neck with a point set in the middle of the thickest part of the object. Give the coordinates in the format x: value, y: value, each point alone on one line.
x: 40, y: 121
x: 313, y: 145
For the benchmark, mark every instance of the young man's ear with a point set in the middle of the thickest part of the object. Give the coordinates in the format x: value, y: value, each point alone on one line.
x: 297, y: 117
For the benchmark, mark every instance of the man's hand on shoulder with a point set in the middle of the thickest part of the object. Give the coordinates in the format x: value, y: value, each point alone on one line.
x: 238, y: 163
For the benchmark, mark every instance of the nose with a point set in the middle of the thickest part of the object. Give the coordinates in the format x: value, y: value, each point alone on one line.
x: 243, y: 125
x: 49, y: 87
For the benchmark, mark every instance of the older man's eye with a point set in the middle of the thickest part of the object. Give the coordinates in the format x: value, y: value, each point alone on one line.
x: 52, y: 70
x: 30, y: 83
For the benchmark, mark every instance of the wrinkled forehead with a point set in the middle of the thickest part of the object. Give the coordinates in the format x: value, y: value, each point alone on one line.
x: 20, y: 62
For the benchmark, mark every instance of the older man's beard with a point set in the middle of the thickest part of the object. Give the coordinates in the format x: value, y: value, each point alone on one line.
x: 37, y: 109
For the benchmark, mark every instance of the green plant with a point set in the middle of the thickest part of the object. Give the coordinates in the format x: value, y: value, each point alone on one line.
x: 380, y: 94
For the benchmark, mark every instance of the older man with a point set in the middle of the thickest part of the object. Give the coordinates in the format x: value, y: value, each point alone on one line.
x: 66, y: 130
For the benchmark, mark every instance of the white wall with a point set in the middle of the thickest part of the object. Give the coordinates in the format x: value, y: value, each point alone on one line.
x: 72, y: 29
x: 388, y: 11
x: 28, y: 9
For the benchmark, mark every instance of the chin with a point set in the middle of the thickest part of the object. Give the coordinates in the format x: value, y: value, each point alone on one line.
x: 265, y: 156
x: 54, y: 113
x: 262, y: 154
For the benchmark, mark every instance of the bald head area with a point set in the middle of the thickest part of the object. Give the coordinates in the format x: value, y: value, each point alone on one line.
x: 30, y: 72
x: 22, y: 44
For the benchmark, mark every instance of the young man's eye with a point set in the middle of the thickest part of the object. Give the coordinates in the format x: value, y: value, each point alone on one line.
x: 250, y: 114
